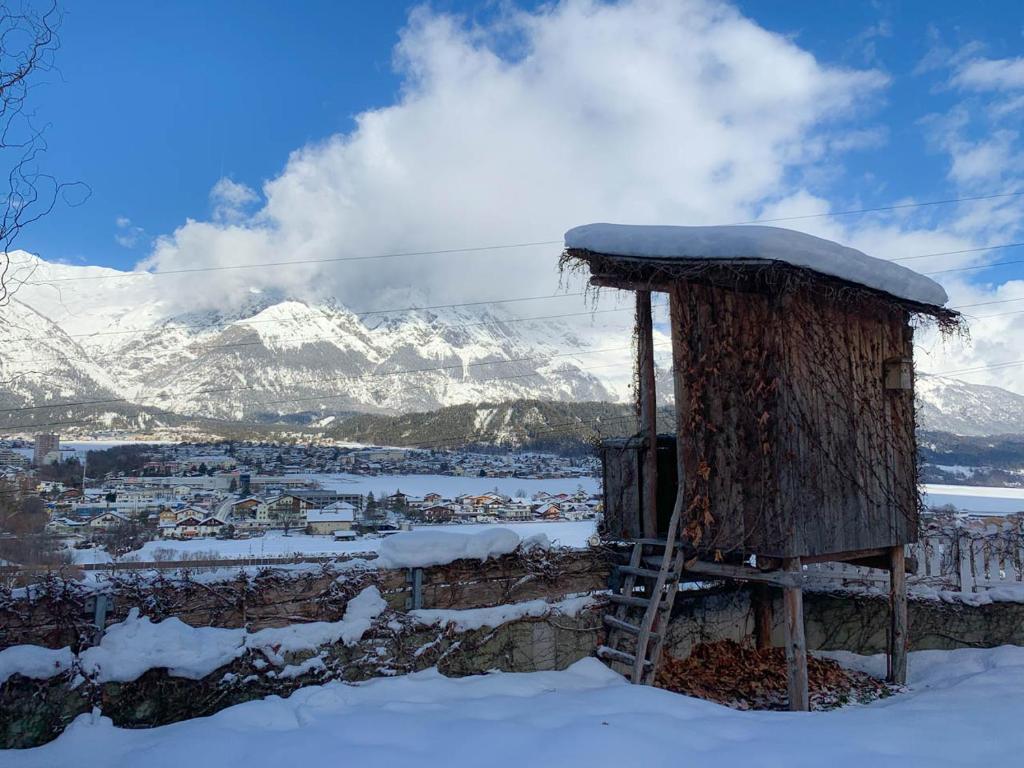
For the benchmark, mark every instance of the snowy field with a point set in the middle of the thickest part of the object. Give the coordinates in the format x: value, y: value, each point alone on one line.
x: 978, y: 499
x: 449, y: 486
x: 276, y: 544
x: 964, y: 709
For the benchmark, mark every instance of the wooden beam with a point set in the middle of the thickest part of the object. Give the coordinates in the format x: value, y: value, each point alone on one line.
x: 609, y: 281
x: 762, y: 600
x: 648, y: 410
x: 744, y: 573
x: 898, y: 631
x: 796, y: 642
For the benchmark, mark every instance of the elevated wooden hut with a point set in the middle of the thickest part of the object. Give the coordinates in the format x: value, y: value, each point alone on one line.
x: 794, y: 409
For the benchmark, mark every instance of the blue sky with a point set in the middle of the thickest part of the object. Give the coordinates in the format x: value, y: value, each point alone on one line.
x: 227, y: 133
x: 156, y: 101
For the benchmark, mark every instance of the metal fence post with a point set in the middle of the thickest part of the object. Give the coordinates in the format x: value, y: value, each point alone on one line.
x: 415, y: 581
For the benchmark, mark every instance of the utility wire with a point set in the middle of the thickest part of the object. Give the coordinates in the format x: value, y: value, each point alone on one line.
x: 507, y: 246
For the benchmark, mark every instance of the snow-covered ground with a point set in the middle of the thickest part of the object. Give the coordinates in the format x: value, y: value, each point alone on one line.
x: 451, y: 486
x: 964, y: 709
x: 276, y: 544
x: 977, y: 499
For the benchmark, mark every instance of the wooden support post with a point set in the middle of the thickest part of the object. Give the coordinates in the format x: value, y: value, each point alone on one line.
x: 762, y: 599
x: 648, y: 410
x: 898, y: 630
x: 796, y: 643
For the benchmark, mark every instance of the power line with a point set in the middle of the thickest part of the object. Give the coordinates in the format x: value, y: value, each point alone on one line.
x: 365, y: 313
x: 957, y: 253
x: 977, y: 266
x: 322, y: 396
x: 897, y: 207
x: 506, y: 246
x: 383, y: 374
x: 435, y: 328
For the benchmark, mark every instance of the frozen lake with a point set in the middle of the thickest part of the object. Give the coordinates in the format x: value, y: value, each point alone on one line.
x: 979, y: 499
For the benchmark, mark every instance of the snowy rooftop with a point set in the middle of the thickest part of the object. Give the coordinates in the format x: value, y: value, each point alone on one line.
x: 758, y: 243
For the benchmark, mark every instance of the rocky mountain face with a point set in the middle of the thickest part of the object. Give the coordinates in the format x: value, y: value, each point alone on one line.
x: 111, y: 346
x: 71, y: 335
x: 951, y: 405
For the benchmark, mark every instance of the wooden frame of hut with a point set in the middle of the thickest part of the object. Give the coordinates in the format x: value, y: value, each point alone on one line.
x: 794, y: 421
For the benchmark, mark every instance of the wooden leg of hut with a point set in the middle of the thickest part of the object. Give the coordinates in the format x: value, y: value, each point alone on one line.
x: 648, y: 411
x: 796, y: 643
x: 898, y: 613
x: 762, y: 598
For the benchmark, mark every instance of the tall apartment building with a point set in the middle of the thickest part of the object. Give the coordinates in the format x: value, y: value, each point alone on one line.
x: 47, y: 449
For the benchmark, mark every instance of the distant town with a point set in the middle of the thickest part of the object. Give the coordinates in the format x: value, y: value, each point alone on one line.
x: 121, y: 497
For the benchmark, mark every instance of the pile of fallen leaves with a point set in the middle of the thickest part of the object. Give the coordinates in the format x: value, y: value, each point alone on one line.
x: 746, y: 678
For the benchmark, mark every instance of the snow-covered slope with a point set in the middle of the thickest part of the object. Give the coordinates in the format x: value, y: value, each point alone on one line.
x: 89, y: 333
x: 40, y: 363
x: 951, y: 405
x: 272, y: 355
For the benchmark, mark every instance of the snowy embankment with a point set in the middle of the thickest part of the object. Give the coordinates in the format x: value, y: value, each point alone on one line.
x: 276, y: 544
x: 136, y: 645
x: 583, y: 716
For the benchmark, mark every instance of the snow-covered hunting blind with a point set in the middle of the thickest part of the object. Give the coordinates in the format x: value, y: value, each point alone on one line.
x: 793, y: 389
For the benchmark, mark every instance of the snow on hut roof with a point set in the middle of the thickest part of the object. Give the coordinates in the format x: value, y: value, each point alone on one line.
x: 759, y: 243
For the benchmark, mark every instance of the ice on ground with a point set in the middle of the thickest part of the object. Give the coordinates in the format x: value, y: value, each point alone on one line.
x: 964, y: 709
x: 34, y: 661
x: 759, y: 243
x: 423, y: 548
x: 464, y: 620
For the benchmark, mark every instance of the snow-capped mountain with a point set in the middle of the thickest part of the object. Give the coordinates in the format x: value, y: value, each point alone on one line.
x: 951, y: 405
x: 84, y: 333
x: 76, y: 333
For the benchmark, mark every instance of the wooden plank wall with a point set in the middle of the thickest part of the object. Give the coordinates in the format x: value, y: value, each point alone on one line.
x: 796, y: 447
x: 846, y: 444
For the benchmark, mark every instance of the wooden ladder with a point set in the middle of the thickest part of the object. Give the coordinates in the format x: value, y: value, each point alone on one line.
x: 649, y: 632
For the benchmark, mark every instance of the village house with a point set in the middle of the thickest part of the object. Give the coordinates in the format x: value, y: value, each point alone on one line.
x: 339, y: 516
x: 107, y: 520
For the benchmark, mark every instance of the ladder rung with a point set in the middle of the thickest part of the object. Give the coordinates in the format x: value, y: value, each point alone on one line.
x: 651, y: 542
x: 647, y: 572
x: 656, y: 561
x: 616, y: 655
x: 636, y: 602
x: 625, y: 626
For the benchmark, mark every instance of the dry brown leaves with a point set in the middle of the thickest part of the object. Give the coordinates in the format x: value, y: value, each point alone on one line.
x: 745, y: 678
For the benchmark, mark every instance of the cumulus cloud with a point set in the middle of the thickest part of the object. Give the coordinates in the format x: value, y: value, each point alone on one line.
x: 230, y: 199
x: 643, y: 111
x: 127, y: 234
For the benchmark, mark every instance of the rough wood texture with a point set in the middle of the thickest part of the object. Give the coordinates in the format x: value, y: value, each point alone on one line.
x: 794, y: 446
x: 763, y: 620
x: 899, y: 631
x: 621, y: 462
x: 796, y: 642
x: 648, y: 410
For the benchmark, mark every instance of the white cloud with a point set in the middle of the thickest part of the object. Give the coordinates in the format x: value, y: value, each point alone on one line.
x: 127, y: 235
x: 676, y: 111
x: 230, y: 199
x: 646, y: 110
x: 982, y: 74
